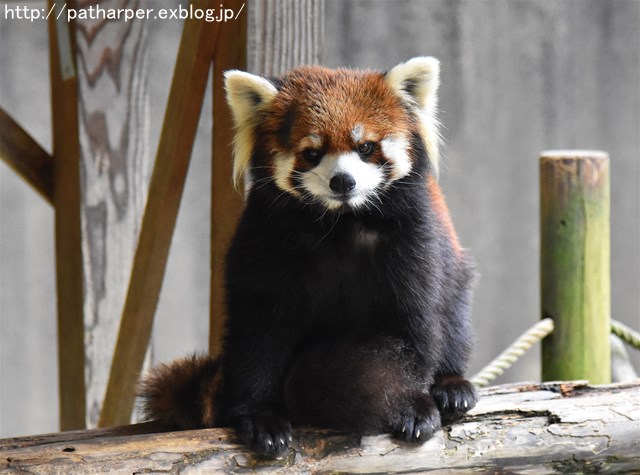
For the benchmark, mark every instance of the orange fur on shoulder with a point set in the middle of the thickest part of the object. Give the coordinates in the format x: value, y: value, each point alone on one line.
x: 442, y: 211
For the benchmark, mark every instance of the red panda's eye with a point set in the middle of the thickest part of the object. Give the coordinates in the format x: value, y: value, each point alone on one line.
x: 365, y: 149
x: 312, y: 155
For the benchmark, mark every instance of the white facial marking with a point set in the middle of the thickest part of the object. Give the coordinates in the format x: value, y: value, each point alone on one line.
x: 357, y: 133
x: 313, y: 140
x: 284, y: 169
x: 368, y: 177
x: 396, y: 150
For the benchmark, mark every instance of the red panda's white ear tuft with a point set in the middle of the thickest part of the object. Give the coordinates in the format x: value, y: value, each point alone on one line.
x: 416, y: 82
x: 247, y: 94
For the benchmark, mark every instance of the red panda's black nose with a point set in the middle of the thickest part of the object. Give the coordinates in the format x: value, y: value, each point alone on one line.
x: 342, y: 183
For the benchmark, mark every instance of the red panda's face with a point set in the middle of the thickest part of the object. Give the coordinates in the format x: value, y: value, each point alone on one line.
x: 337, y: 138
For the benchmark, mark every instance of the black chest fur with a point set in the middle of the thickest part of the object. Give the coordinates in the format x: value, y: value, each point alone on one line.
x: 326, y: 275
x: 345, y: 274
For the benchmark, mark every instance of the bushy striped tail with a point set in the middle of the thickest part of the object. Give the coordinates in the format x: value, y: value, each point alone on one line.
x: 182, y: 394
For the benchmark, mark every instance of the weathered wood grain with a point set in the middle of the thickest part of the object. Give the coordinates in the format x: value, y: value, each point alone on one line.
x: 26, y: 157
x: 165, y: 190
x: 115, y: 159
x: 68, y: 234
x: 284, y: 34
x: 531, y: 428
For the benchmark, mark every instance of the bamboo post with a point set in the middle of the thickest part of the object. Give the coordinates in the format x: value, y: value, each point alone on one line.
x: 574, y: 273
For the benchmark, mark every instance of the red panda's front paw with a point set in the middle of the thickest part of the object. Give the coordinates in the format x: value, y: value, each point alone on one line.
x: 454, y: 396
x: 421, y: 422
x: 267, y: 434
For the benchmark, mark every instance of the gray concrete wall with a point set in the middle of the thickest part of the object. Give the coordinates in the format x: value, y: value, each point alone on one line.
x: 518, y: 77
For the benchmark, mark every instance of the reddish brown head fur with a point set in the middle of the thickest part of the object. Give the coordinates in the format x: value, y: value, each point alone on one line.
x: 313, y: 112
x: 330, y: 103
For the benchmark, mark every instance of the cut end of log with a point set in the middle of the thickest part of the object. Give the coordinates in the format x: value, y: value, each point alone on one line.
x: 572, y: 154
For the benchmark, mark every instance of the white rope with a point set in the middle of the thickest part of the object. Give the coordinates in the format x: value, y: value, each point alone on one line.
x: 531, y: 337
x: 627, y: 334
x: 511, y: 354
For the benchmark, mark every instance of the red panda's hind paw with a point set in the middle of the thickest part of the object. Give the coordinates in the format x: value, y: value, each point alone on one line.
x: 454, y: 396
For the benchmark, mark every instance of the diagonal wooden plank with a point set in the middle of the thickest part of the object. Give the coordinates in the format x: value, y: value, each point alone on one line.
x: 165, y: 190
x: 26, y: 157
x: 69, y: 280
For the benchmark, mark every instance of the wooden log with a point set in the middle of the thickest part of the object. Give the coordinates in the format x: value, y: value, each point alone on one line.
x: 165, y: 191
x: 527, y: 428
x: 26, y: 157
x: 68, y: 234
x: 270, y: 37
x: 574, y: 265
x: 115, y: 163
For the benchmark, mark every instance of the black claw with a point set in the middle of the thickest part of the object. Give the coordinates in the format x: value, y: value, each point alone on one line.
x: 420, y: 426
x: 454, y: 397
x: 267, y: 434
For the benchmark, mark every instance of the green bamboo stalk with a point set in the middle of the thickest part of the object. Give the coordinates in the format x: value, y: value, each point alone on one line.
x: 575, y: 265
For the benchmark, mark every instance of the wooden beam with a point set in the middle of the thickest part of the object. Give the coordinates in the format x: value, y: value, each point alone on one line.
x: 26, y: 157
x: 69, y: 277
x: 226, y: 202
x: 165, y: 191
x: 523, y: 428
x: 574, y: 265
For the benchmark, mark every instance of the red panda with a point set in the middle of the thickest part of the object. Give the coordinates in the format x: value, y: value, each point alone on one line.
x: 347, y: 291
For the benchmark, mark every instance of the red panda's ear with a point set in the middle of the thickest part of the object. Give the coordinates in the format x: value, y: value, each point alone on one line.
x: 416, y: 82
x: 247, y: 94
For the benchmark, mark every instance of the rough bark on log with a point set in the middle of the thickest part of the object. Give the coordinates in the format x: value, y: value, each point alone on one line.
x: 528, y: 428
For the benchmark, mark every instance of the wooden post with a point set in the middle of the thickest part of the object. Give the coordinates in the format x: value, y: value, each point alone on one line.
x: 165, y: 191
x: 115, y: 159
x: 226, y: 203
x: 69, y: 280
x: 284, y: 34
x: 279, y: 35
x: 574, y: 272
